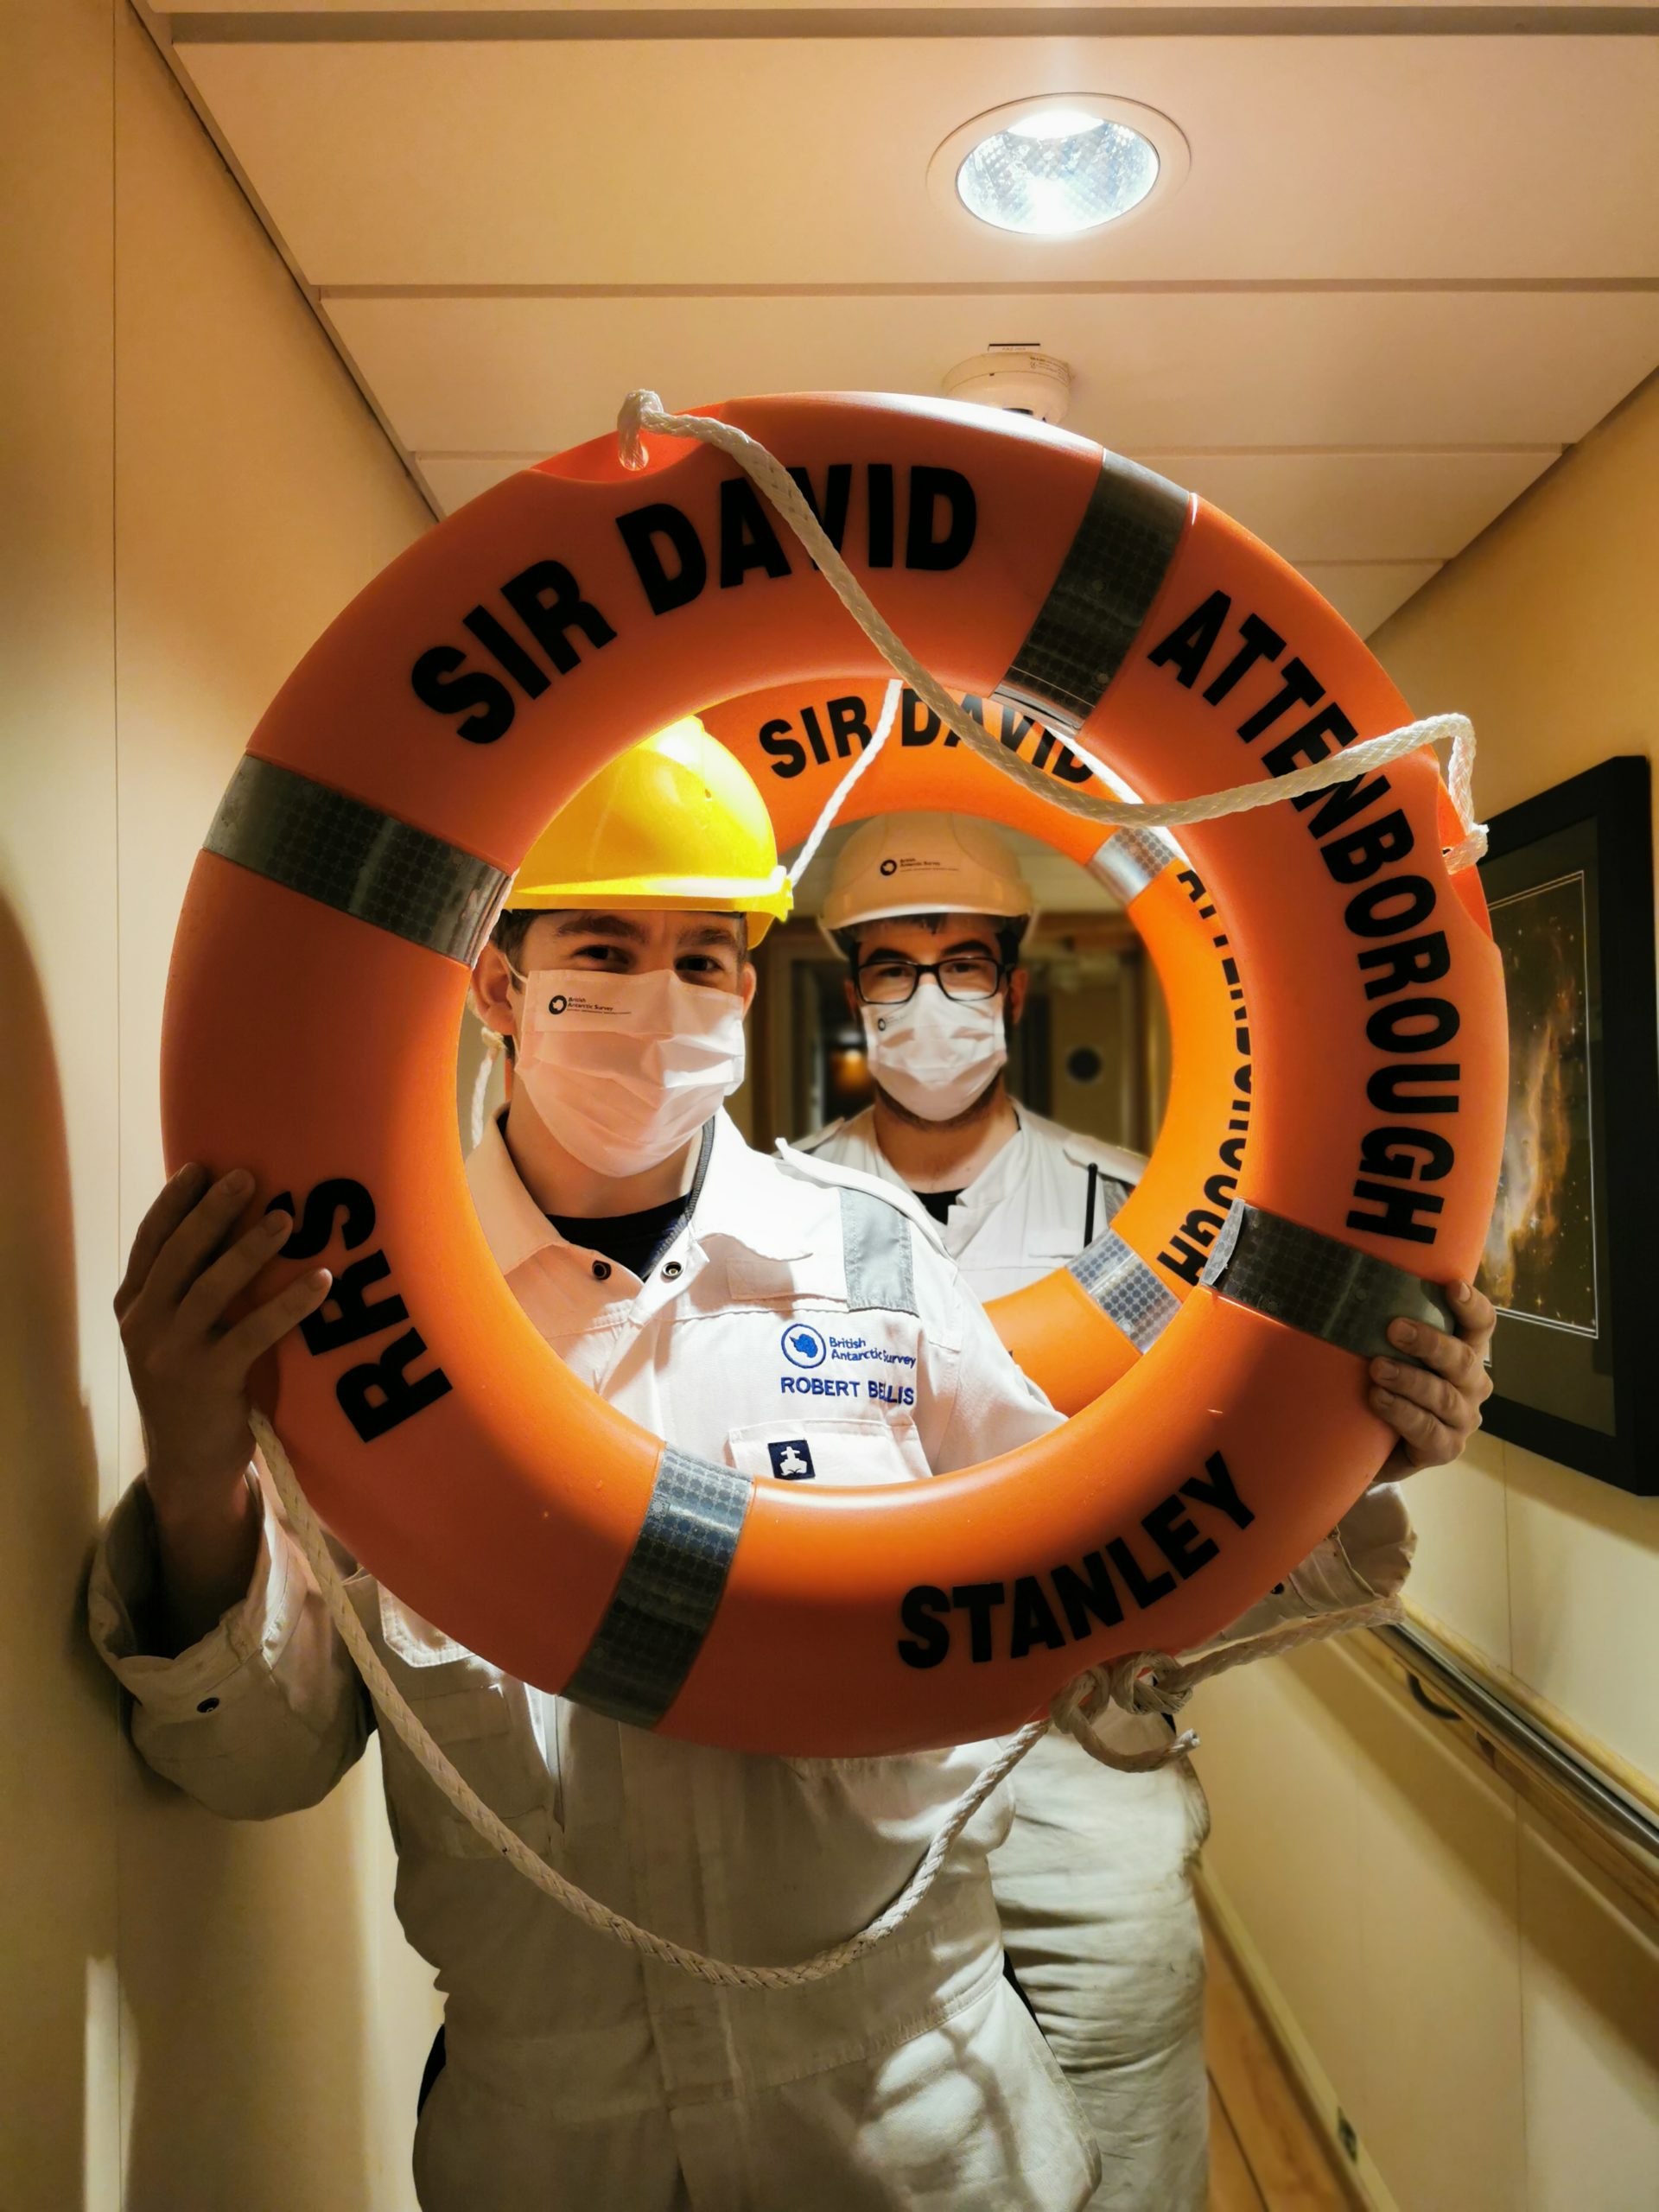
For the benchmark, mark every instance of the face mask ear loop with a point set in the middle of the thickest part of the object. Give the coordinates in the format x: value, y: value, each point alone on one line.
x: 495, y: 1051
x: 843, y: 792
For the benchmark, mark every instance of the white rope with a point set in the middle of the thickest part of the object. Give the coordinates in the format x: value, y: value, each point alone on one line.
x: 644, y: 411
x: 1147, y: 1683
x: 494, y: 1043
x: 842, y: 792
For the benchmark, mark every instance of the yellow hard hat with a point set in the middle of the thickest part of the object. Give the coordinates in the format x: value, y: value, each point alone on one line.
x: 675, y: 822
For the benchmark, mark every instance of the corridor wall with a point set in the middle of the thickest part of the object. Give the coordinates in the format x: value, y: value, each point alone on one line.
x: 193, y: 2014
x: 1481, y: 2003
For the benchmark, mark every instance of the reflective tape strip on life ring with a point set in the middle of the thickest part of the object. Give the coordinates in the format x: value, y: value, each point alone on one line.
x: 1081, y: 1328
x: 319, y: 977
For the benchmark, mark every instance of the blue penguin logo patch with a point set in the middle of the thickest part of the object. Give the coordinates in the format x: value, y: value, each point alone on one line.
x: 803, y: 1346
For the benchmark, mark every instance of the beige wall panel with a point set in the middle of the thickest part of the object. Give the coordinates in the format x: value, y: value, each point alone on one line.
x: 1436, y: 1989
x: 1461, y: 1573
x: 1584, y: 1565
x: 1154, y: 372
x: 1590, y: 1988
x: 59, y: 1999
x: 1286, y: 1844
x: 277, y: 2019
x: 528, y: 163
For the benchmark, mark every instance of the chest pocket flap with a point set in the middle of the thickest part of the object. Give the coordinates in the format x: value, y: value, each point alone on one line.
x: 849, y: 1451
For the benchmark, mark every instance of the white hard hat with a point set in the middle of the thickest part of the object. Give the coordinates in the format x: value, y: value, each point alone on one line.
x: 925, y: 864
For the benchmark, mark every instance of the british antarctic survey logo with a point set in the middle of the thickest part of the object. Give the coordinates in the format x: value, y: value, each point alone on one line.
x: 889, y: 867
x: 558, y: 1004
x: 803, y: 1346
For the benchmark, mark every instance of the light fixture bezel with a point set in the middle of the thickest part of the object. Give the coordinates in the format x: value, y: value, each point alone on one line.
x: 1165, y: 137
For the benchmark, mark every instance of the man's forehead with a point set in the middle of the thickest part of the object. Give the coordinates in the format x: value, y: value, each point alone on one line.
x: 640, y: 925
x: 957, y: 929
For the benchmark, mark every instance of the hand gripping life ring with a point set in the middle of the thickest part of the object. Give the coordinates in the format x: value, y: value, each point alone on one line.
x: 1083, y: 1326
x: 358, y: 858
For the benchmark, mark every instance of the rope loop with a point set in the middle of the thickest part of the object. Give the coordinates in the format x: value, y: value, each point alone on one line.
x: 642, y: 410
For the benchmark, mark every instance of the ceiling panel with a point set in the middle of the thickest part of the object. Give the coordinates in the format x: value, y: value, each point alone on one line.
x: 801, y: 161
x: 1154, y: 373
x: 1309, y: 506
x: 1365, y: 593
x: 1360, y: 506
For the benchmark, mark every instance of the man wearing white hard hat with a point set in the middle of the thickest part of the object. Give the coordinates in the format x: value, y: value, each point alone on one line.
x: 1094, y: 1881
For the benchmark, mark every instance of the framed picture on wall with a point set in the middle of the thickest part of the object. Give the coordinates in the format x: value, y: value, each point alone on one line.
x: 1569, y: 1260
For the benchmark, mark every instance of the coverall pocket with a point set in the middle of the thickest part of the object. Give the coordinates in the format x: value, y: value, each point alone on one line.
x: 851, y: 1451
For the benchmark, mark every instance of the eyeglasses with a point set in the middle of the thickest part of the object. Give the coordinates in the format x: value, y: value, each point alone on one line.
x: 890, y: 981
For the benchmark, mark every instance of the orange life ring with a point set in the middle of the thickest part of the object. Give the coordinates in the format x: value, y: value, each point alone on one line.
x: 359, y: 856
x: 798, y: 740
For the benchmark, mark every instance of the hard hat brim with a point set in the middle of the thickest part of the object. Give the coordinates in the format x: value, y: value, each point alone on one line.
x: 762, y: 901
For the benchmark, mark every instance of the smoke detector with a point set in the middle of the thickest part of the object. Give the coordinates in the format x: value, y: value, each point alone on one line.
x: 1017, y: 378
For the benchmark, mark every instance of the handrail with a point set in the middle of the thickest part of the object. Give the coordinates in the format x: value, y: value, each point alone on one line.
x: 1528, y: 1750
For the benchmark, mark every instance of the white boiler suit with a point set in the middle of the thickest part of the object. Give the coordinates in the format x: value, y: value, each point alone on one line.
x: 1094, y: 1882
x: 579, y: 2077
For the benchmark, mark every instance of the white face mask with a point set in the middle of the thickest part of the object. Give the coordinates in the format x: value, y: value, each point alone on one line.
x: 933, y: 1054
x: 624, y: 1069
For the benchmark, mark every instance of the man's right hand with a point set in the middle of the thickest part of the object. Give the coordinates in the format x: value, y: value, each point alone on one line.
x: 190, y: 1368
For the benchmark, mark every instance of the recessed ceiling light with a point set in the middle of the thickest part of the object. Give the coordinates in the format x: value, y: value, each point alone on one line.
x: 1058, y: 166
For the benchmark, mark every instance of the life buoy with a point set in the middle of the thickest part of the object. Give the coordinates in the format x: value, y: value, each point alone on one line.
x: 358, y: 856
x: 1081, y: 1327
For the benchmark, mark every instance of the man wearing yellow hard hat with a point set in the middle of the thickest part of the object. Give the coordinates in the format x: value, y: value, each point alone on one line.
x: 1094, y: 1880
x: 792, y: 1320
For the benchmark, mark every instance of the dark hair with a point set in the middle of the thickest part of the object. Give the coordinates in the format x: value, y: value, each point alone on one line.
x: 512, y: 928
x: 1007, y: 929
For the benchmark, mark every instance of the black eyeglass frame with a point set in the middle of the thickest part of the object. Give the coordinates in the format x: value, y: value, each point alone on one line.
x: 934, y: 968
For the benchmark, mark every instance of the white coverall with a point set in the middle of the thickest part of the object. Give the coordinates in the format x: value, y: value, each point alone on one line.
x: 578, y: 2076
x: 1094, y: 1881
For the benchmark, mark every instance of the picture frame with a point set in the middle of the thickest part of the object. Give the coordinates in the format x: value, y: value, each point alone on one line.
x: 1569, y: 884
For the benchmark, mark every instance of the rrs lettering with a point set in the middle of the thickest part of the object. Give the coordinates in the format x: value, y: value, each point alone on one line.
x: 1177, y: 1540
x: 378, y: 1395
x: 1399, y: 959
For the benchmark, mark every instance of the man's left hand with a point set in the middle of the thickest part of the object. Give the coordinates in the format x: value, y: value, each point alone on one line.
x: 1435, y: 1408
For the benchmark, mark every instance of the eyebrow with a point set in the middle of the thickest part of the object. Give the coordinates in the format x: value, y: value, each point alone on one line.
x: 711, y: 934
x: 601, y: 924
x: 982, y: 942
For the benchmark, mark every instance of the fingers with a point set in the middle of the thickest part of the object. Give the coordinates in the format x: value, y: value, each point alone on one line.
x: 1447, y: 1356
x: 167, y: 1211
x: 197, y: 1238
x: 1427, y: 1441
x: 1477, y: 1317
x: 270, y: 1322
x: 202, y: 1307
x: 1421, y: 1388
